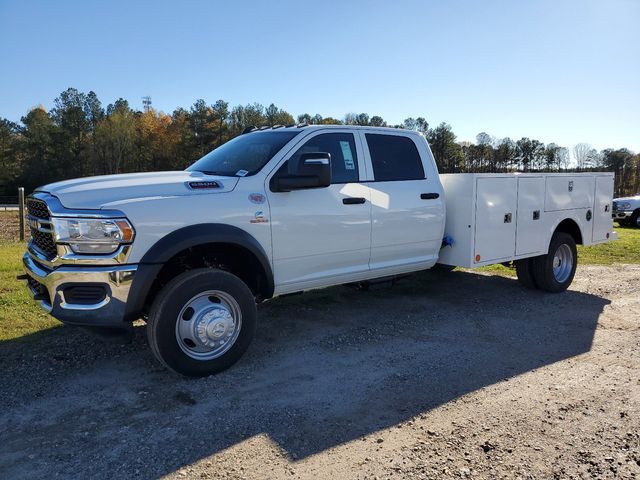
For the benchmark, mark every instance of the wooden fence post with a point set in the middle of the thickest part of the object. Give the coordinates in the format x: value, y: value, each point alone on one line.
x: 21, y: 210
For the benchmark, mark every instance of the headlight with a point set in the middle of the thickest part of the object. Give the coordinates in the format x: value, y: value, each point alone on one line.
x: 624, y: 206
x: 92, y: 235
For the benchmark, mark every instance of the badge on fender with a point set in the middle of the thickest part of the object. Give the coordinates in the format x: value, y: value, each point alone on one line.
x: 256, y: 198
x: 259, y: 218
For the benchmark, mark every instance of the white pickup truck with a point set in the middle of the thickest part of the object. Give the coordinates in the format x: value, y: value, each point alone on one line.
x: 626, y: 211
x: 283, y: 210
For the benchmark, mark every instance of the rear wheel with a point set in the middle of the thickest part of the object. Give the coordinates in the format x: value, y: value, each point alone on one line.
x: 554, y: 271
x: 202, y: 322
x: 524, y: 271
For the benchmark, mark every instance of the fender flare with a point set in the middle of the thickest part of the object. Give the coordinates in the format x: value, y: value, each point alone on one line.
x: 181, y: 239
x: 572, y: 217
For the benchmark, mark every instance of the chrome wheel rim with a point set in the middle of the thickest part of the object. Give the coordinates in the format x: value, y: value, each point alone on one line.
x: 562, y: 263
x: 208, y: 325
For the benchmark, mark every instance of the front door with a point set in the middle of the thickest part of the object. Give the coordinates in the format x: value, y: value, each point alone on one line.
x: 322, y: 236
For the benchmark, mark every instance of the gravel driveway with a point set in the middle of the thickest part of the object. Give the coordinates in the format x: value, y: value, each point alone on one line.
x: 441, y: 376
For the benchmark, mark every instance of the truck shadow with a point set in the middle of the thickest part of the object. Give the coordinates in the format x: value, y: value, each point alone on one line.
x: 326, y: 368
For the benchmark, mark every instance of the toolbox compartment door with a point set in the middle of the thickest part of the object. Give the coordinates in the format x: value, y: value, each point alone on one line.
x: 496, y: 202
x: 530, y: 231
x: 602, y: 220
x: 566, y: 192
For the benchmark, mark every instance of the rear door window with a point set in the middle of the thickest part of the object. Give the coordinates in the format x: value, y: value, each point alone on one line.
x: 394, y: 157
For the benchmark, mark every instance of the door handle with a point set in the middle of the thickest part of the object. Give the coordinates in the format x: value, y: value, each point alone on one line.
x: 353, y: 200
x: 429, y: 196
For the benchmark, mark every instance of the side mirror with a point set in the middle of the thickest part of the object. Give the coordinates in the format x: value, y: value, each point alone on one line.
x: 312, y: 171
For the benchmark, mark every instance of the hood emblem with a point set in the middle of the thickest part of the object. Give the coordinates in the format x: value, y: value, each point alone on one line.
x: 205, y: 185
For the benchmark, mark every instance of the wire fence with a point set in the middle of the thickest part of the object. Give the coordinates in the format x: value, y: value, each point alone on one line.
x: 8, y: 203
x: 13, y: 224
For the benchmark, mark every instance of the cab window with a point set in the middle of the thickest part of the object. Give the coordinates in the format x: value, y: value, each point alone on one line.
x: 341, y: 147
x: 394, y: 157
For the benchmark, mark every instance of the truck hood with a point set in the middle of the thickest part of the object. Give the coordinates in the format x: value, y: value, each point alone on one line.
x: 107, y: 191
x: 627, y: 199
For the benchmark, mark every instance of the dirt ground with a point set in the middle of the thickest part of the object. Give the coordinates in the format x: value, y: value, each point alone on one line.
x: 10, y: 226
x: 462, y: 375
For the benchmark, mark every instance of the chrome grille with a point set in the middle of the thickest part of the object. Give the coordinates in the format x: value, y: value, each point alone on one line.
x: 44, y: 241
x: 37, y: 208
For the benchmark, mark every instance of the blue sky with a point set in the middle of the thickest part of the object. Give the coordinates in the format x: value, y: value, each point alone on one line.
x: 564, y: 70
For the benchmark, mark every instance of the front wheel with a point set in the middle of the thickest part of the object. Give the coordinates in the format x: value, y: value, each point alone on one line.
x: 635, y: 219
x: 202, y: 322
x: 554, y: 271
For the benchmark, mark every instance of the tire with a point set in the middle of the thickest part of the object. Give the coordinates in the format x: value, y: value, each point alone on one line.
x: 202, y: 322
x: 624, y: 223
x: 635, y: 219
x: 524, y: 271
x: 554, y: 271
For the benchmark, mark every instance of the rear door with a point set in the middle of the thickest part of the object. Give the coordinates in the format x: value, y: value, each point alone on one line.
x: 407, y: 209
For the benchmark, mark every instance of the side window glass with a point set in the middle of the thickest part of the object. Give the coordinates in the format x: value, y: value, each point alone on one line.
x: 341, y: 147
x: 394, y: 157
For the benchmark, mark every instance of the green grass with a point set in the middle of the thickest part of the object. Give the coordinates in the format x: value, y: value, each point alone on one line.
x: 21, y: 316
x: 625, y: 250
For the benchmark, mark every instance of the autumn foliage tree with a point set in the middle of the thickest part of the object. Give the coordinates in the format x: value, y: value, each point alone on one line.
x: 80, y: 137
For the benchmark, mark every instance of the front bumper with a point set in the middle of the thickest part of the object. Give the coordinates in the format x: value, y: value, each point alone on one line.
x: 49, y: 286
x: 621, y: 215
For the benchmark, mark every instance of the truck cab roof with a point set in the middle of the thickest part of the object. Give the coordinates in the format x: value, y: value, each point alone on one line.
x: 332, y: 126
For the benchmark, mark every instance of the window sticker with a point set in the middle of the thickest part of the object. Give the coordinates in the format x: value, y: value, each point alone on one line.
x: 241, y: 173
x: 347, y: 155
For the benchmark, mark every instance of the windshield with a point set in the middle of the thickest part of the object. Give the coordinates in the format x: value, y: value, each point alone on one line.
x: 245, y: 154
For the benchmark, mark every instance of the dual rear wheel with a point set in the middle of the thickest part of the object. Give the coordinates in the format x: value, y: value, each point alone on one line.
x: 554, y: 271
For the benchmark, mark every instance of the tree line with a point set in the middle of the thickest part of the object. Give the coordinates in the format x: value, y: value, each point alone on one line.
x: 79, y: 137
